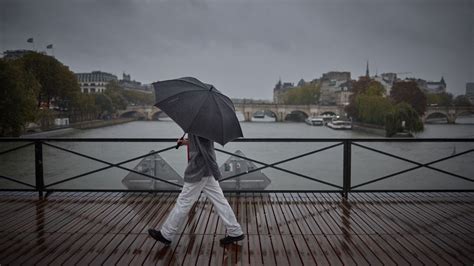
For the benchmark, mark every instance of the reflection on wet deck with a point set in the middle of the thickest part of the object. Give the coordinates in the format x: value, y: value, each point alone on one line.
x: 281, y: 228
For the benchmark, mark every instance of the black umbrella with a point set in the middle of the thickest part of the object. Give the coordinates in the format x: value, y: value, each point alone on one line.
x: 198, y: 108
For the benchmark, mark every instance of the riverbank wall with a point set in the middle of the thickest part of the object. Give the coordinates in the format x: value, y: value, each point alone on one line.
x: 101, y: 123
x: 369, y: 128
x: 378, y: 130
x: 74, y: 126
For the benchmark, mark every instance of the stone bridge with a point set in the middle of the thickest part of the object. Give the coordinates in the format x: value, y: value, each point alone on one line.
x: 247, y: 110
x: 451, y: 113
x: 141, y: 112
x: 281, y: 111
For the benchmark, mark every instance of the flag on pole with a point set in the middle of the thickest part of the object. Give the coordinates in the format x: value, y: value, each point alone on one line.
x: 50, y: 46
x: 30, y: 40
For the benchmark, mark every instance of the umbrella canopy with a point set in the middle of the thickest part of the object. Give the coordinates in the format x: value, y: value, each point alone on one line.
x: 198, y: 108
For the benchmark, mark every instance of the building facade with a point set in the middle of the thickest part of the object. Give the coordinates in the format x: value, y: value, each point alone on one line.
x: 335, y: 88
x: 430, y: 86
x: 128, y: 84
x: 470, y: 91
x: 94, y: 82
x: 280, y: 89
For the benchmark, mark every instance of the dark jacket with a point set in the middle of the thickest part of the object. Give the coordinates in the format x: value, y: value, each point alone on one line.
x: 202, y: 160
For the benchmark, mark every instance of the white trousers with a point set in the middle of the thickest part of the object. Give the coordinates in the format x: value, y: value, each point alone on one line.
x: 186, y: 199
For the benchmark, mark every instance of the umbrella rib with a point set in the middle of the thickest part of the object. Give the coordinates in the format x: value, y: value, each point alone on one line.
x: 190, y: 82
x: 174, y: 95
x: 222, y: 117
x: 197, y: 113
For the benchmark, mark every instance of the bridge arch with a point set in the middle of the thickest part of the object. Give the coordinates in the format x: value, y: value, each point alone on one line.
x: 133, y: 114
x: 328, y: 113
x: 465, y: 112
x: 159, y: 115
x: 264, y: 115
x: 436, y: 116
x: 296, y: 116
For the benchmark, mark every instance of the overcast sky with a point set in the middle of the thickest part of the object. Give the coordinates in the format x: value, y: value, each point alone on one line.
x: 244, y: 47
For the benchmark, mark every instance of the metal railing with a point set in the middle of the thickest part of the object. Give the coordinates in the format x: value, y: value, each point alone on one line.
x: 346, y: 144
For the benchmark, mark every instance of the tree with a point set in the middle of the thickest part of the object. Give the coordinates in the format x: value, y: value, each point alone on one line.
x: 103, y: 103
x: 439, y: 99
x: 307, y: 94
x: 402, y: 118
x: 374, y: 88
x: 115, y: 93
x: 17, y: 97
x: 372, y: 109
x: 408, y: 91
x: 138, y: 97
x: 363, y: 86
x: 84, y: 108
x: 58, y: 84
x: 462, y: 101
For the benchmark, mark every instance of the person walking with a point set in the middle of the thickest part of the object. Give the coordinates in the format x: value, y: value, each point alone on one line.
x: 201, y: 175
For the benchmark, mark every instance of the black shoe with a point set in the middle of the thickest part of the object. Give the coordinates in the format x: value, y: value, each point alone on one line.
x: 231, y: 239
x: 158, y: 236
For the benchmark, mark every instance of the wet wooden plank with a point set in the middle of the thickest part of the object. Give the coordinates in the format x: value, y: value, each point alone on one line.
x: 283, y: 227
x: 429, y: 220
x: 272, y: 226
x: 242, y: 217
x: 100, y: 240
x: 135, y: 248
x: 299, y: 213
x: 148, y: 247
x: 28, y: 243
x: 110, y: 249
x: 194, y: 239
x: 23, y: 220
x: 268, y: 255
x: 456, y: 211
x: 322, y: 215
x: 68, y: 227
x: 205, y: 250
x: 428, y: 247
x: 159, y: 213
x: 297, y: 228
x: 193, y: 249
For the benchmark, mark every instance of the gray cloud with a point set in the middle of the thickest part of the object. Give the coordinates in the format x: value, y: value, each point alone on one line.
x: 243, y: 47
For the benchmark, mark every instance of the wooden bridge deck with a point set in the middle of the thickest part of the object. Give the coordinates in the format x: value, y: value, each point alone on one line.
x: 282, y: 229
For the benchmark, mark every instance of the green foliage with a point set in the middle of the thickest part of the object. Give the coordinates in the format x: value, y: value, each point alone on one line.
x: 462, y: 101
x: 408, y: 91
x: 306, y: 94
x: 372, y: 109
x: 439, y: 99
x: 58, y: 84
x: 367, y: 87
x: 17, y: 97
x: 115, y: 93
x: 138, y: 97
x: 84, y: 108
x: 103, y: 103
x: 403, y: 112
x: 374, y: 88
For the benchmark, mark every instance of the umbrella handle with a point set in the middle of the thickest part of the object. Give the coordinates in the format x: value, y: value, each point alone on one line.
x: 177, y: 144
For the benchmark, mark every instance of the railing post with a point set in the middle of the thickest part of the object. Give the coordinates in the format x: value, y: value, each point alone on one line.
x: 346, y: 183
x: 39, y: 167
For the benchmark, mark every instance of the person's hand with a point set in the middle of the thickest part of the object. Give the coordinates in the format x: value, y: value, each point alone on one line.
x: 182, y: 142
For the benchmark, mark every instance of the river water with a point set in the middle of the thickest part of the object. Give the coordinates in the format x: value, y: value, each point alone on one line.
x: 326, y: 165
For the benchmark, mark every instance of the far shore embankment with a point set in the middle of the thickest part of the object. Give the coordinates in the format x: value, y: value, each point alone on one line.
x: 79, y: 125
x: 369, y: 128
